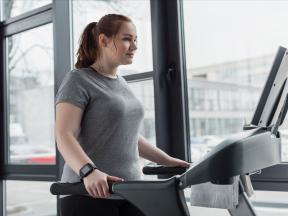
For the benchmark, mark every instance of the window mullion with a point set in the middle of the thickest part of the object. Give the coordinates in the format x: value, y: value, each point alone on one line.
x: 171, y: 125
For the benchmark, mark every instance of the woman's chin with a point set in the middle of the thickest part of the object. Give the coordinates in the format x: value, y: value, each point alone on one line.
x: 127, y: 62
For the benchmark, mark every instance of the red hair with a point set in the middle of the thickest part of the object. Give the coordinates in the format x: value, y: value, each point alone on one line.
x: 88, y: 50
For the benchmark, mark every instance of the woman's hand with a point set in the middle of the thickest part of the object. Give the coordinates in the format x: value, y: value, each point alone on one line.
x: 175, y: 162
x: 96, y: 183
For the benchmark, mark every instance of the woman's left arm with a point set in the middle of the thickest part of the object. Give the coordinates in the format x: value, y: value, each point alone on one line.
x: 154, y: 154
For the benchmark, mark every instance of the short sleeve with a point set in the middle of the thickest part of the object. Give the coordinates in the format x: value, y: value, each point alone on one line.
x: 73, y: 89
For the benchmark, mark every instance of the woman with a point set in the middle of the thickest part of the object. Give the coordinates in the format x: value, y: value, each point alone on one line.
x: 98, y: 120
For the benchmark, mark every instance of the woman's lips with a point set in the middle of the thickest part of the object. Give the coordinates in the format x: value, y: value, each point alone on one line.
x: 130, y: 55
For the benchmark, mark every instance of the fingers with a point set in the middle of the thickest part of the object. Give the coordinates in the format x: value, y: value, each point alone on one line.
x: 96, y: 184
x: 99, y: 190
x: 114, y: 179
x: 105, y: 189
x: 101, y: 193
x: 92, y: 191
x: 177, y: 162
x: 185, y: 164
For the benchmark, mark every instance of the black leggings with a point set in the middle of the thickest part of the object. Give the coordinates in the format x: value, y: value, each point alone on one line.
x: 77, y: 205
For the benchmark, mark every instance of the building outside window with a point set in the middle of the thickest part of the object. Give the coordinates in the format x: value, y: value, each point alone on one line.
x: 230, y: 47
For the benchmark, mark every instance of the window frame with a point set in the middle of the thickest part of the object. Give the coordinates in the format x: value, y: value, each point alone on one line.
x: 26, y: 21
x: 169, y: 80
x: 170, y: 87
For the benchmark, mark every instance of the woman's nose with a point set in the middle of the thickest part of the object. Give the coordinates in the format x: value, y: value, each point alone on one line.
x: 133, y: 46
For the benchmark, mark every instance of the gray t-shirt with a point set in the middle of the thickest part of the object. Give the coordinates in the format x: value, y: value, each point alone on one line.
x: 110, y: 123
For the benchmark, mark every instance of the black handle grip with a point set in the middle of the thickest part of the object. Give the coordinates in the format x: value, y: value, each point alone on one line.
x: 77, y: 188
x: 154, y: 169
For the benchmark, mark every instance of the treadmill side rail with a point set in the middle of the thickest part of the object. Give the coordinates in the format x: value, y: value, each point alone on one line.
x: 154, y: 198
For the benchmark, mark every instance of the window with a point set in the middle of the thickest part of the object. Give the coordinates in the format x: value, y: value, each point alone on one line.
x: 31, y: 96
x: 230, y: 55
x: 138, y: 11
x: 266, y: 203
x: 144, y: 91
x: 29, y: 198
x: 12, y: 8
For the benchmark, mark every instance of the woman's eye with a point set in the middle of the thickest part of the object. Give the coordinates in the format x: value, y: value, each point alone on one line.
x: 130, y: 40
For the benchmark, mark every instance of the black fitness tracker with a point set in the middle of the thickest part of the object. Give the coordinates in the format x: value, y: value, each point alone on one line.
x: 86, y: 170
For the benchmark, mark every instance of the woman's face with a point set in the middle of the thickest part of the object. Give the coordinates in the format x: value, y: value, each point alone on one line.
x: 122, y: 48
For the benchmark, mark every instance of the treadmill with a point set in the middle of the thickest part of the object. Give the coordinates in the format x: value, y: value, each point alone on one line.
x: 243, y: 153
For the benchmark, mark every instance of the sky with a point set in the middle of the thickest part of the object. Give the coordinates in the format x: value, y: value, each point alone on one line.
x: 219, y: 31
x: 215, y: 31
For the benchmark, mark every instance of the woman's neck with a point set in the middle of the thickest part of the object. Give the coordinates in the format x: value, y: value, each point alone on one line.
x: 105, y: 69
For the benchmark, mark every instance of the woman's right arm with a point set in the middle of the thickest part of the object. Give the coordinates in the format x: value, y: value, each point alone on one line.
x: 68, y: 119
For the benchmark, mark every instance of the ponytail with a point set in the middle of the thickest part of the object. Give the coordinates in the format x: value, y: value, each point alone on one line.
x: 88, y: 49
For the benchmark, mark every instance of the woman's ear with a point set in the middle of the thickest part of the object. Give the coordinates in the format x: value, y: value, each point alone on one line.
x: 103, y: 40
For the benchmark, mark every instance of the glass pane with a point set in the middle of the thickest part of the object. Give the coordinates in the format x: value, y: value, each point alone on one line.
x: 26, y: 198
x: 85, y: 12
x: 228, y: 59
x: 269, y: 203
x: 31, y: 96
x: 12, y: 8
x: 144, y: 91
